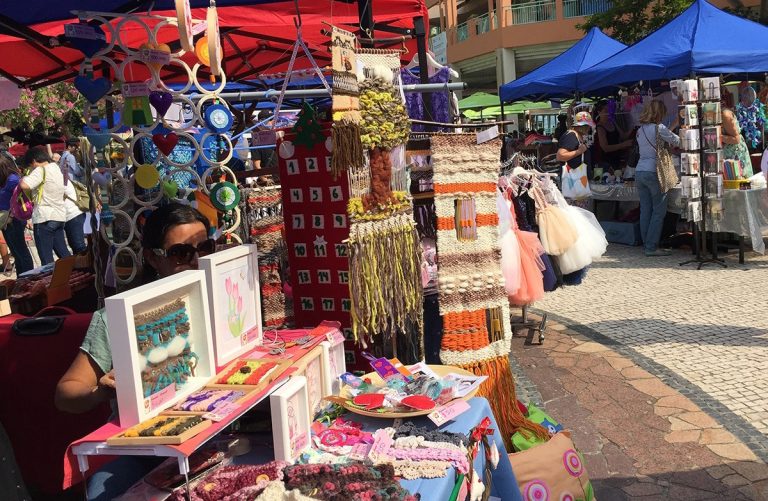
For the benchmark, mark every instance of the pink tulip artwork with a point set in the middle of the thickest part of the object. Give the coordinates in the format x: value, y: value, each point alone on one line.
x: 235, y: 313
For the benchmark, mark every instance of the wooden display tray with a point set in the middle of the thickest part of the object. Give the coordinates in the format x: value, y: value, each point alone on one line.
x: 440, y: 370
x: 172, y: 440
x: 249, y: 392
x: 282, y: 366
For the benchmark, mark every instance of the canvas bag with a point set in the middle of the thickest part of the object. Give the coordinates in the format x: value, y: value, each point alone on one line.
x: 21, y: 205
x: 665, y: 169
x: 575, y: 181
x: 82, y: 198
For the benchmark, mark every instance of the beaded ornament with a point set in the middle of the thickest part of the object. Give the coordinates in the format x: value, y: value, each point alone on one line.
x: 165, y: 354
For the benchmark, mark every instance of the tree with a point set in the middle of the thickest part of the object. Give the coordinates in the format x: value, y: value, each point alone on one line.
x: 630, y: 20
x: 58, y: 108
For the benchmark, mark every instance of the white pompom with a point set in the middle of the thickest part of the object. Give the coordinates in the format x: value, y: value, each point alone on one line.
x: 157, y: 355
x: 176, y: 346
x: 142, y: 363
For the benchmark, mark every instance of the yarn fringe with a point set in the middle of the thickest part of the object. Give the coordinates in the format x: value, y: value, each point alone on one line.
x: 347, y: 147
x: 499, y: 389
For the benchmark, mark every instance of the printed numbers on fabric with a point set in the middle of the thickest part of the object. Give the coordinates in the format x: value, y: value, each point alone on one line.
x: 341, y: 250
x: 346, y: 305
x: 339, y: 220
x: 292, y: 166
x: 328, y: 164
x: 304, y: 277
x: 317, y: 222
x: 329, y: 304
x: 315, y: 194
x: 308, y: 304
x: 343, y: 277
x: 321, y: 250
x: 348, y: 334
x: 298, y: 221
x: 300, y: 250
x: 296, y: 195
x: 336, y: 194
x: 311, y: 164
x: 323, y: 276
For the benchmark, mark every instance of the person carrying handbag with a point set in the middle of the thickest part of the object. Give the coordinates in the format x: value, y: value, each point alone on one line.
x: 12, y: 228
x: 49, y: 214
x: 653, y: 177
x: 571, y: 148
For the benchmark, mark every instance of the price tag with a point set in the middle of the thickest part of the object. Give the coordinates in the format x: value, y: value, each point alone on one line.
x: 159, y: 398
x: 135, y: 89
x: 84, y: 31
x: 335, y: 337
x: 448, y: 412
x: 154, y: 56
x: 220, y: 412
x: 487, y: 134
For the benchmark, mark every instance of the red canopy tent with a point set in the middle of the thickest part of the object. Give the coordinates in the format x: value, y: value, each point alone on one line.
x: 256, y: 39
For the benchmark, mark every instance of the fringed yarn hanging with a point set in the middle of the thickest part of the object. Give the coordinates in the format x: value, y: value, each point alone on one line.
x: 385, y: 282
x: 473, y: 302
x: 347, y: 147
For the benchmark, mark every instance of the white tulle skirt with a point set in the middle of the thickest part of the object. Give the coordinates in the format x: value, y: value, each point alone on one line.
x: 590, y: 245
x: 510, y: 248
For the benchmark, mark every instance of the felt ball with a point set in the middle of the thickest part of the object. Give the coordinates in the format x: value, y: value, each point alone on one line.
x: 157, y: 355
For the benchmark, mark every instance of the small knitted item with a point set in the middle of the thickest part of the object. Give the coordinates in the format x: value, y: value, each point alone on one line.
x: 207, y: 400
x: 275, y: 491
x: 248, y: 372
x: 471, y: 284
x: 353, y: 481
x: 230, y: 483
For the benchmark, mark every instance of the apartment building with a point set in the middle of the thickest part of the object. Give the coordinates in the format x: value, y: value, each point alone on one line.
x: 491, y: 42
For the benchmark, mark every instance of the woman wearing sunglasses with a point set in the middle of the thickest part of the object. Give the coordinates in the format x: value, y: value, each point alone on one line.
x: 174, y: 236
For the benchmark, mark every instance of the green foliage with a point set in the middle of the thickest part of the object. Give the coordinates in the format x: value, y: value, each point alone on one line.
x: 58, y: 107
x: 630, y: 20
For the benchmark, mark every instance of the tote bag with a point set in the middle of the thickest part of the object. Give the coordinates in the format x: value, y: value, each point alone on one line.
x: 665, y: 169
x: 575, y: 181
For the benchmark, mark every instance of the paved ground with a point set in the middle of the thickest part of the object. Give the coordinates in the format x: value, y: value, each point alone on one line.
x: 660, y: 370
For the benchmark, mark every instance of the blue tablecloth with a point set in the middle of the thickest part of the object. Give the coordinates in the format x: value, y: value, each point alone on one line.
x: 504, y: 484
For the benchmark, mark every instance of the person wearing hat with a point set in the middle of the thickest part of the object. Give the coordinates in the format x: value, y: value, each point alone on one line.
x: 68, y: 162
x: 571, y: 145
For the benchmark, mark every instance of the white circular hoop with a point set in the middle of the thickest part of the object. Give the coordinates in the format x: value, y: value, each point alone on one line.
x: 219, y: 163
x: 126, y: 188
x: 159, y: 84
x: 112, y: 36
x: 146, y: 203
x: 207, y: 173
x: 103, y: 59
x: 133, y: 19
x: 163, y: 23
x: 136, y: 215
x: 184, y: 23
x: 235, y: 236
x: 195, y: 177
x: 196, y: 147
x: 200, y: 88
x: 103, y: 228
x: 236, y: 225
x: 112, y: 137
x: 134, y: 268
x: 135, y: 59
x: 201, y: 102
x: 214, y: 40
x: 134, y: 140
x: 185, y: 125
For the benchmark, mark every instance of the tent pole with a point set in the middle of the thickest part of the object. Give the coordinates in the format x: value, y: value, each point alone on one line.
x: 421, y: 50
x: 365, y: 15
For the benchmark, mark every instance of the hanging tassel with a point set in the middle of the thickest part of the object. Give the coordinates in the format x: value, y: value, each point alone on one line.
x: 347, y: 148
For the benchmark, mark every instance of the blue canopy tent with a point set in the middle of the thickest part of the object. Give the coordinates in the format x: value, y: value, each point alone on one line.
x: 561, y: 76
x: 701, y: 40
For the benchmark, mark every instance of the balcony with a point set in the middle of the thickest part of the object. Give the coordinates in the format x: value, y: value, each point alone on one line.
x: 532, y: 12
x: 579, y: 8
x: 476, y: 26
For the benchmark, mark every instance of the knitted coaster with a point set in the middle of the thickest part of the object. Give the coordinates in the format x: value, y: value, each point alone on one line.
x: 471, y: 285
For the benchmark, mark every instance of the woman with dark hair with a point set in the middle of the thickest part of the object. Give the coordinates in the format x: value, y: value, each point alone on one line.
x: 611, y: 142
x: 174, y: 236
x: 13, y: 232
x: 49, y: 215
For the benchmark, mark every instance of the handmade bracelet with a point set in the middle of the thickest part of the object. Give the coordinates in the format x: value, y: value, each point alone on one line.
x: 248, y: 372
x: 134, y: 431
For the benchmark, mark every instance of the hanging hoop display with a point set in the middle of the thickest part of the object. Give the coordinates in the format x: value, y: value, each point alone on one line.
x: 136, y: 231
x: 203, y: 147
x: 209, y: 172
x: 117, y: 179
x: 183, y: 126
x: 203, y: 90
x: 190, y: 78
x: 214, y: 41
x: 119, y: 29
x: 134, y: 265
x: 129, y: 223
x: 225, y: 196
x: 195, y: 151
x: 184, y: 20
x: 194, y: 180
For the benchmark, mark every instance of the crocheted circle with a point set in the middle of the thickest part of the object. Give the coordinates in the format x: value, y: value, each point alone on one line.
x: 536, y: 490
x: 567, y: 496
x: 572, y: 463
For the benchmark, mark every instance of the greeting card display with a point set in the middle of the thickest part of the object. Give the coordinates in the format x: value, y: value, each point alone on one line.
x: 710, y: 114
x: 713, y: 185
x: 690, y: 115
x: 709, y: 88
x: 690, y: 91
x: 234, y: 301
x: 312, y: 367
x: 689, y: 163
x: 715, y: 209
x: 713, y: 138
x: 290, y: 419
x: 689, y: 139
x: 161, y: 344
x: 713, y: 160
x: 691, y: 187
x: 694, y: 211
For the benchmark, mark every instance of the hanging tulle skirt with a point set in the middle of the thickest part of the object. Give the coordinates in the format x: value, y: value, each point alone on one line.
x: 531, y: 267
x: 590, y: 244
x: 557, y: 232
x: 510, y: 248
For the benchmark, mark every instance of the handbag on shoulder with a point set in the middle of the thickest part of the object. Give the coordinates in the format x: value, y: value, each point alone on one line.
x: 665, y: 169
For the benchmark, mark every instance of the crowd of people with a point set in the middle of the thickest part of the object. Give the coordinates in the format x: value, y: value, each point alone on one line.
x: 56, y: 221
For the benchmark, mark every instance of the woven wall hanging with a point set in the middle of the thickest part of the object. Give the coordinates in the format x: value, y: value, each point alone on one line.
x: 473, y: 302
x: 264, y: 218
x: 347, y: 148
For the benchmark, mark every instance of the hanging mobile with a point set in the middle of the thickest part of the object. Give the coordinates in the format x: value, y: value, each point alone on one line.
x: 218, y: 118
x: 225, y: 197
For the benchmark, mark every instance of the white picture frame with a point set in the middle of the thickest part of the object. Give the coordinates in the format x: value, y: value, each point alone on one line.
x: 312, y: 365
x: 291, y: 421
x: 335, y: 364
x: 233, y: 282
x: 121, y: 309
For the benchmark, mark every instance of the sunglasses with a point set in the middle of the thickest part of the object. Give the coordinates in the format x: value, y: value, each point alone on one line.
x: 183, y: 253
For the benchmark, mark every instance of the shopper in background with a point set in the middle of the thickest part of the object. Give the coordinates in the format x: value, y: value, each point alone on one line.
x: 174, y: 236
x: 611, y: 143
x: 653, y: 202
x: 74, y: 227
x: 13, y: 231
x: 68, y: 162
x: 571, y: 145
x: 562, y: 126
x: 49, y: 215
x: 734, y: 145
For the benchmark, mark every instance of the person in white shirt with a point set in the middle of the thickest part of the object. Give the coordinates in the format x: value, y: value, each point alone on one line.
x: 74, y: 227
x: 68, y: 162
x: 46, y: 182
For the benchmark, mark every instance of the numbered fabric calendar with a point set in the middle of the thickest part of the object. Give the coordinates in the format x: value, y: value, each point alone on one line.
x: 316, y: 227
